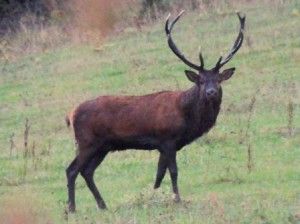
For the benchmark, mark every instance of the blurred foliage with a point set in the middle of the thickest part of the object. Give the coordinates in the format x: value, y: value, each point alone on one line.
x: 13, y: 12
x: 153, y: 7
x: 28, y: 26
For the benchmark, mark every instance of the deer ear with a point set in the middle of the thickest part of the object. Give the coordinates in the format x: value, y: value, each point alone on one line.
x: 227, y: 73
x: 192, y: 76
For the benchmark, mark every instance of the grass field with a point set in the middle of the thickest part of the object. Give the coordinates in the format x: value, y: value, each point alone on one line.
x: 219, y: 182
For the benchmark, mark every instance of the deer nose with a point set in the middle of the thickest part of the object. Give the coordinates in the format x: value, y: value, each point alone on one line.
x: 210, y: 93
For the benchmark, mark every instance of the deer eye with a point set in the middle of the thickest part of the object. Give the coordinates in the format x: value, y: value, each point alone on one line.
x: 201, y: 80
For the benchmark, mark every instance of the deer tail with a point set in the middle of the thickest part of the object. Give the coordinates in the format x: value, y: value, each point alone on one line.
x: 69, y: 119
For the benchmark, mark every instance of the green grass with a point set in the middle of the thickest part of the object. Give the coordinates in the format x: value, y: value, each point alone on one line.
x: 214, y: 180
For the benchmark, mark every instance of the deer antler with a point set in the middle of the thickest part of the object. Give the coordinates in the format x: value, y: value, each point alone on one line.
x: 168, y: 29
x: 237, y: 44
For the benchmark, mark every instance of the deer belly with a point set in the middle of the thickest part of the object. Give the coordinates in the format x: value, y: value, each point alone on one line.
x: 135, y: 142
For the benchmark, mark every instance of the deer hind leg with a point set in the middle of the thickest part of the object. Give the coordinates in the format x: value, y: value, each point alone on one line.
x: 72, y: 172
x: 88, y: 174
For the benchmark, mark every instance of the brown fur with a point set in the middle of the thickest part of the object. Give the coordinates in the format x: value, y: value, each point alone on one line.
x: 127, y: 116
x: 166, y: 121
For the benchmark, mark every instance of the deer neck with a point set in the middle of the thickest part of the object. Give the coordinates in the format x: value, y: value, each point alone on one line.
x: 197, y: 108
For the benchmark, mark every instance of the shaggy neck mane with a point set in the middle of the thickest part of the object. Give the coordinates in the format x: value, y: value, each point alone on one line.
x: 200, y: 114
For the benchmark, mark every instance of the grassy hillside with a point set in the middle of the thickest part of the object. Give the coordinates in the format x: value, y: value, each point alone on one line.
x: 218, y: 180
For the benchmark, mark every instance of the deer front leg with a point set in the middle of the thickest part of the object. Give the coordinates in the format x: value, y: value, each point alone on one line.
x: 172, y: 166
x: 167, y: 159
x: 161, y: 170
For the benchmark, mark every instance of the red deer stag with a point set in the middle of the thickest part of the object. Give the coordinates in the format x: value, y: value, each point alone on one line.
x: 166, y: 121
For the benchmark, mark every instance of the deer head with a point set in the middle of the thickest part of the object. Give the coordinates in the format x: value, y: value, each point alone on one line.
x: 208, y: 80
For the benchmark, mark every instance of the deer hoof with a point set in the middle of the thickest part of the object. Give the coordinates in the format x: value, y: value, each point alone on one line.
x: 176, y: 198
x: 72, y: 209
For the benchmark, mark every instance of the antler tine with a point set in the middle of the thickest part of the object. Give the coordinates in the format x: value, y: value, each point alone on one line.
x: 167, y: 24
x: 242, y: 20
x: 236, y: 46
x: 176, y: 19
x: 218, y: 63
x: 168, y: 29
x: 201, y: 60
